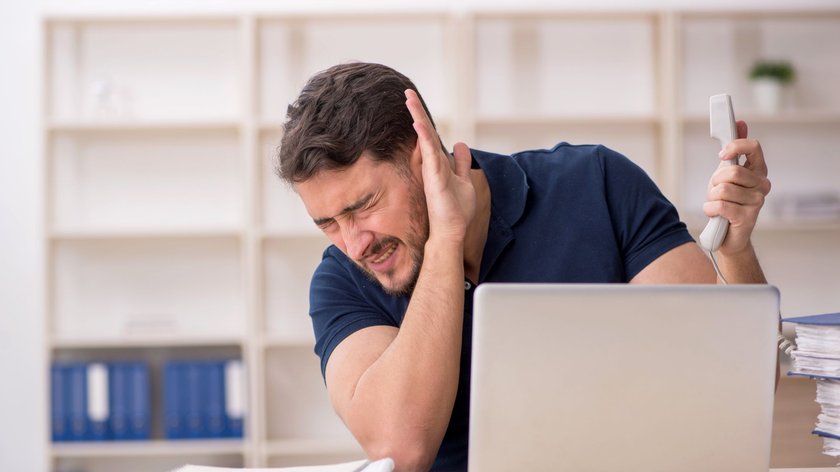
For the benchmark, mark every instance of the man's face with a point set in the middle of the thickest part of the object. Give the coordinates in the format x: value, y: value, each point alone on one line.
x: 376, y: 214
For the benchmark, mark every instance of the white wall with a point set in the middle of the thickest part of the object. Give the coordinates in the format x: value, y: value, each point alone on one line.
x: 23, y: 434
x: 22, y: 376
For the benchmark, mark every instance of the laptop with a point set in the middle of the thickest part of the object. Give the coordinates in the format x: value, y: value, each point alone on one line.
x: 622, y: 377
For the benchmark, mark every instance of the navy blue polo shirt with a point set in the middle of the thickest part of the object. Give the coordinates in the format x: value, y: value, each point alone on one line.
x: 571, y: 214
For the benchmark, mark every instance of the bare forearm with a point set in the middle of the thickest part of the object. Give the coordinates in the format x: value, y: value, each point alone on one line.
x: 404, y: 399
x: 741, y: 267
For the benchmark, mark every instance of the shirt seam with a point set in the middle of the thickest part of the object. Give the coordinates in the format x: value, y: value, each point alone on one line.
x: 343, y: 332
x: 656, y: 248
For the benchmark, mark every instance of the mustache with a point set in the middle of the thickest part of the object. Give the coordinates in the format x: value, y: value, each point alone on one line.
x: 378, y: 246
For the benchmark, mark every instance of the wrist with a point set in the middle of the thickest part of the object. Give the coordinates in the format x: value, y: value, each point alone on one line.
x: 440, y: 245
x: 741, y: 266
x: 747, y: 251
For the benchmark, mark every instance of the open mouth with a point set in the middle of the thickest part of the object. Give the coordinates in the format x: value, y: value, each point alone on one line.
x: 382, y: 261
x: 386, y: 255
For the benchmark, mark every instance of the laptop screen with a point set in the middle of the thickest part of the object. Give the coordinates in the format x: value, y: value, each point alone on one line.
x: 622, y: 377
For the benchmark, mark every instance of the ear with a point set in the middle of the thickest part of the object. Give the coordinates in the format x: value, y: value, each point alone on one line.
x: 415, y: 162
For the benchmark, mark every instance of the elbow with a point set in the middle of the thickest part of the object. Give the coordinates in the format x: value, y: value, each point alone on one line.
x: 408, y: 454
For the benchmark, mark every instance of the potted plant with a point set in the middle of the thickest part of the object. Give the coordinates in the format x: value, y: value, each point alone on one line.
x: 768, y: 78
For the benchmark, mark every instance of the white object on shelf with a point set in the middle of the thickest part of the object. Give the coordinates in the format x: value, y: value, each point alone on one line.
x: 107, y: 100
x: 814, y: 205
x: 767, y: 95
x: 97, y: 391
x: 235, y: 390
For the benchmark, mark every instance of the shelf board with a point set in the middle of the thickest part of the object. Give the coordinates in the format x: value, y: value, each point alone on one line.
x: 273, y: 234
x: 268, y: 126
x: 541, y: 120
x: 67, y: 342
x: 288, y: 447
x: 143, y: 125
x: 803, y: 117
x: 152, y: 448
x: 288, y: 343
x: 276, y: 126
x: 144, y: 233
x: 803, y: 225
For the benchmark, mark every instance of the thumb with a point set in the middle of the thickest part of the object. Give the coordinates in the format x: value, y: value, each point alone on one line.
x: 463, y: 160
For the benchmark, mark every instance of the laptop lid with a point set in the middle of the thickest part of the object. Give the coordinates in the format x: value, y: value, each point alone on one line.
x: 622, y: 377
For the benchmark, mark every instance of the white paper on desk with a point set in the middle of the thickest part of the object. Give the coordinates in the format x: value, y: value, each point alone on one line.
x: 831, y: 447
x: 382, y: 465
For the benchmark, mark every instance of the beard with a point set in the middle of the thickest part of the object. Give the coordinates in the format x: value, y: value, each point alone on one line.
x: 414, y: 242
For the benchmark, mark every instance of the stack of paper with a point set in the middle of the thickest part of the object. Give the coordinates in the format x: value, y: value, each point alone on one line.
x: 817, y: 349
x: 382, y: 465
x: 817, y: 355
x: 828, y: 422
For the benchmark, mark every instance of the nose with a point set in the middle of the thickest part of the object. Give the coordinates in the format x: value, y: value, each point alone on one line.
x: 356, y: 240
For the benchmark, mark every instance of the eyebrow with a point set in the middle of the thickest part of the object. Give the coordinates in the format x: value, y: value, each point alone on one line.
x: 357, y: 205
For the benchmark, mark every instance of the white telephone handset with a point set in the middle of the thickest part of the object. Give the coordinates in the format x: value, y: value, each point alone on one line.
x: 721, y: 127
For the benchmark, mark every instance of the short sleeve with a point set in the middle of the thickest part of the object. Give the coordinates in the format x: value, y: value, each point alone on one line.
x: 646, y: 224
x: 338, y: 305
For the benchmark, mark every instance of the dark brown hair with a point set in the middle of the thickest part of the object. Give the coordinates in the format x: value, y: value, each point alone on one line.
x: 342, y: 112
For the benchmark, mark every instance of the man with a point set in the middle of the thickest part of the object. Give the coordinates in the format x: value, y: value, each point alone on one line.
x: 414, y: 231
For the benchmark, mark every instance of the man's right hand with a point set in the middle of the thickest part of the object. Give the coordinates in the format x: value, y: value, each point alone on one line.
x: 450, y: 195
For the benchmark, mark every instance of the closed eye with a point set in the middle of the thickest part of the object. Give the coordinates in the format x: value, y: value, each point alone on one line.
x: 363, y: 204
x: 370, y: 204
x: 325, y: 223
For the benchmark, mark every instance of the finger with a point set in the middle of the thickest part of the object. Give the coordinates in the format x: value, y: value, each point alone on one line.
x: 427, y: 149
x: 415, y: 107
x: 737, y: 215
x: 751, y: 149
x: 463, y: 160
x: 740, y: 176
x: 433, y: 157
x: 736, y: 194
x: 743, y: 129
x: 417, y: 110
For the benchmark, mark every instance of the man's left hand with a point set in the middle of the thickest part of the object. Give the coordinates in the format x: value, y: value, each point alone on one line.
x: 737, y: 192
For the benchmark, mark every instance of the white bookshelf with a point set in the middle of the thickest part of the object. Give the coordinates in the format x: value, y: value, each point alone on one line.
x: 800, y: 141
x: 169, y: 235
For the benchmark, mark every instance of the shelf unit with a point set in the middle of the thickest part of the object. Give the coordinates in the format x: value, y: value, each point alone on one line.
x: 800, y: 141
x: 169, y: 235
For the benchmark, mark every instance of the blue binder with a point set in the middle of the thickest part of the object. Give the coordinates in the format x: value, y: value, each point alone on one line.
x: 214, y: 404
x: 77, y: 401
x: 58, y: 403
x: 193, y: 410
x: 173, y: 396
x: 195, y: 402
x: 119, y: 386
x: 826, y: 319
x: 139, y: 424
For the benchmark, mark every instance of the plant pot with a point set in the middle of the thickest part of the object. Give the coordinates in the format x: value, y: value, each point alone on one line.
x: 767, y: 94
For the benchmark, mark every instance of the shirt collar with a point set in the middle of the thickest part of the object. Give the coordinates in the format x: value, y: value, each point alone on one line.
x: 508, y: 195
